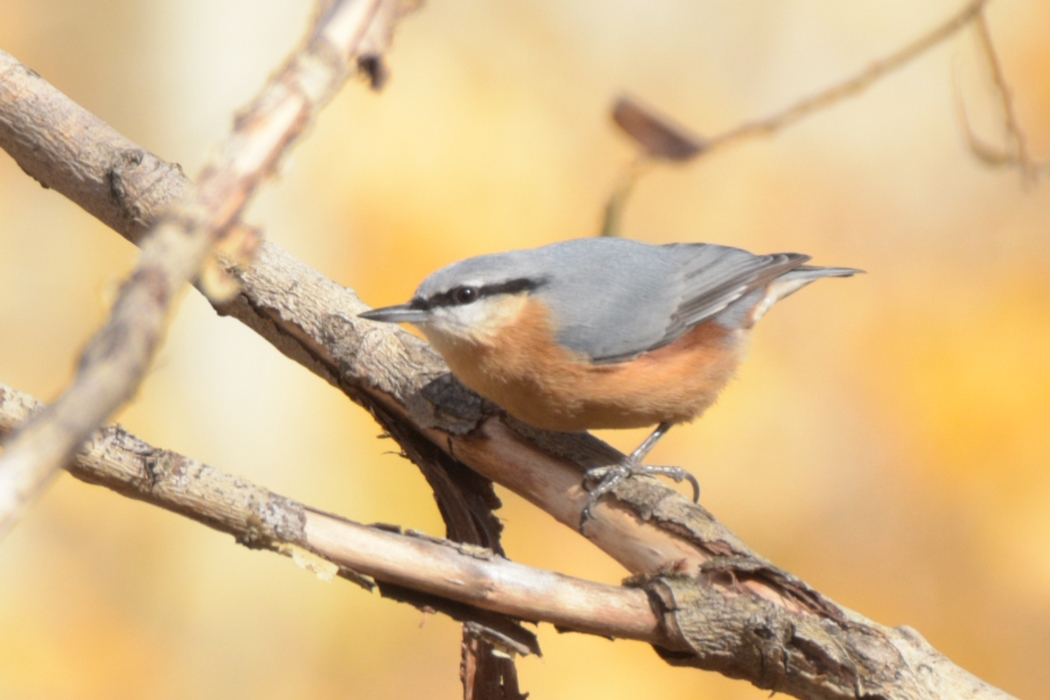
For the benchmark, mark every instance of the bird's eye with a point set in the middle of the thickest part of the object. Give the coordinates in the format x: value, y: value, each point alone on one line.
x: 464, y: 295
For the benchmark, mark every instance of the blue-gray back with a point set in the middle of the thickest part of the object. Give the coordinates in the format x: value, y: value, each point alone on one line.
x: 612, y: 299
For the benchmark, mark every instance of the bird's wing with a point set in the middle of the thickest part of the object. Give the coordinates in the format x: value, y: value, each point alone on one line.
x: 711, y: 278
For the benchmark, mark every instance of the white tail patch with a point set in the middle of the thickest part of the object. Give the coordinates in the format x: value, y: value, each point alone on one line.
x: 775, y: 291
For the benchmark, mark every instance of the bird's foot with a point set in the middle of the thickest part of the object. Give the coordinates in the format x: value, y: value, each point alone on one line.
x: 606, y: 478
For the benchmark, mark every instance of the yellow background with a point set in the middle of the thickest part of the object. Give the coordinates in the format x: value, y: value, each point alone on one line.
x: 887, y: 440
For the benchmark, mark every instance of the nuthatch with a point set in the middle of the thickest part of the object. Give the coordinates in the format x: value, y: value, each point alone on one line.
x: 602, y: 332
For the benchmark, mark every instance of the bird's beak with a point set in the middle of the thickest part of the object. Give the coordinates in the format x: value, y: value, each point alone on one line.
x: 402, y: 313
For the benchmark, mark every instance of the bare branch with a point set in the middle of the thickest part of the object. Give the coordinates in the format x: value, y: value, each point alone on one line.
x: 115, y: 361
x: 710, y: 626
x: 259, y: 518
x: 1013, y: 127
x: 988, y: 154
x: 1020, y: 155
x: 858, y: 83
x: 659, y: 140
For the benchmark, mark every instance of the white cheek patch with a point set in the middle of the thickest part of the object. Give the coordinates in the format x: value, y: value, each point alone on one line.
x: 480, y: 322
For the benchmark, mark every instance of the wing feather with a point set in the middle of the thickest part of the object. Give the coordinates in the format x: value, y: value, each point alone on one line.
x: 712, y: 277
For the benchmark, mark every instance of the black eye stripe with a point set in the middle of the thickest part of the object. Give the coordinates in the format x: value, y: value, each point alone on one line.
x: 458, y: 296
x: 512, y: 287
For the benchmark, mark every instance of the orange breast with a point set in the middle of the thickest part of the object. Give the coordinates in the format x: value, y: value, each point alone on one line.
x: 543, y: 384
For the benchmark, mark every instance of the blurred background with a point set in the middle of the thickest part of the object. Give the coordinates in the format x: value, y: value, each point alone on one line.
x: 887, y: 440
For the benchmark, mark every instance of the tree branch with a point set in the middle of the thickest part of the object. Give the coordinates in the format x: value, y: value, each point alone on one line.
x: 658, y: 139
x: 847, y: 88
x: 258, y: 518
x: 64, y: 147
x: 115, y: 361
x: 733, y: 611
x: 1019, y: 155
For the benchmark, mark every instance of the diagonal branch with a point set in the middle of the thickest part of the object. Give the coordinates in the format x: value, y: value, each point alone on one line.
x: 259, y: 518
x: 115, y: 361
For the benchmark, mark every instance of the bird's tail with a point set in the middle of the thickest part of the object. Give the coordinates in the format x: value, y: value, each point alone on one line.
x: 790, y: 282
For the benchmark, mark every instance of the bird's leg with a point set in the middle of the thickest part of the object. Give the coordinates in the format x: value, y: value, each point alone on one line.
x: 608, y: 477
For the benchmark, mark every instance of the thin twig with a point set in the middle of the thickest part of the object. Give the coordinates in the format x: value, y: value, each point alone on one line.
x: 612, y: 215
x: 1021, y: 156
x: 772, y: 124
x: 114, y: 363
x: 852, y: 86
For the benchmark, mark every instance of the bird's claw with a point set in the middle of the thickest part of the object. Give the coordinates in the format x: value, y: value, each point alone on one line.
x: 609, y: 476
x: 678, y: 475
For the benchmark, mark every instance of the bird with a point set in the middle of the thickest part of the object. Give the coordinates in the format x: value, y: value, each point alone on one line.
x: 603, y: 332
